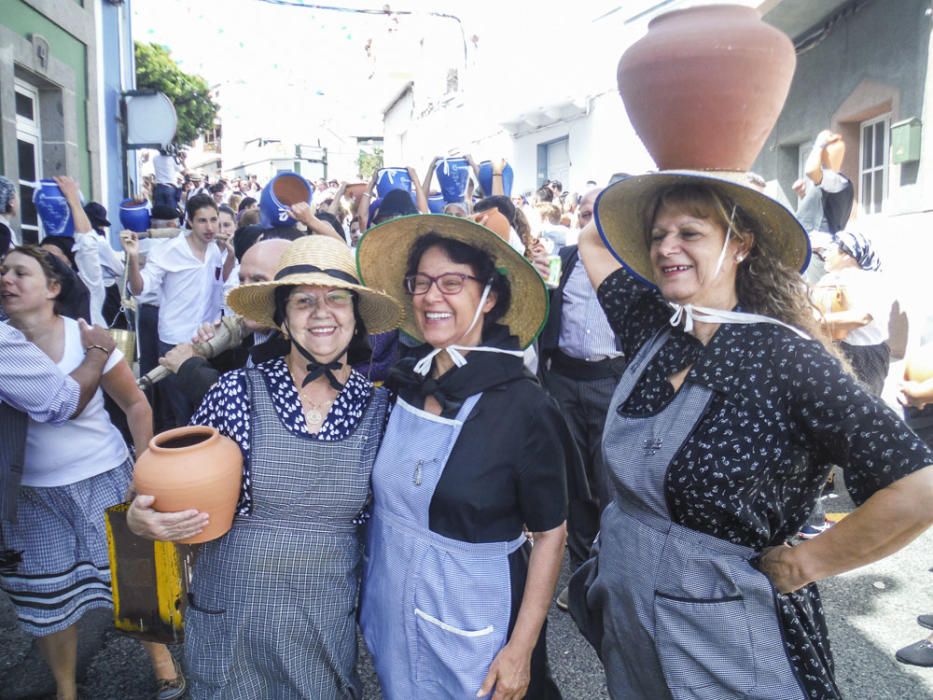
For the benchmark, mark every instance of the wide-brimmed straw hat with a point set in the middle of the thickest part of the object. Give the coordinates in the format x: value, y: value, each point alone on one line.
x: 621, y: 215
x: 382, y: 259
x: 316, y: 260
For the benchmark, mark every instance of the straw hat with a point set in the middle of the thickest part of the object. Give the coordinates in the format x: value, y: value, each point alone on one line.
x: 621, y: 212
x: 316, y: 260
x: 382, y: 258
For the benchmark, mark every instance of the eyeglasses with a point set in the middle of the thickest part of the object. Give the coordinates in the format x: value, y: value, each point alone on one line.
x: 448, y: 283
x: 308, y: 303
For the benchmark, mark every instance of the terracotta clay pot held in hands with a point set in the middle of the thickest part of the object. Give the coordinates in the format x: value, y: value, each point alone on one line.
x: 192, y: 467
x: 354, y: 190
x: 919, y: 365
x: 704, y: 87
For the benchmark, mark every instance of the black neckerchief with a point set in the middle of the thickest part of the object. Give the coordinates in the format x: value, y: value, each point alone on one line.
x: 483, y: 371
x: 316, y: 369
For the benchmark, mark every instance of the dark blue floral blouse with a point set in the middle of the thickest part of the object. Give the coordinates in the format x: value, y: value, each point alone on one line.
x: 226, y: 408
x: 783, y: 412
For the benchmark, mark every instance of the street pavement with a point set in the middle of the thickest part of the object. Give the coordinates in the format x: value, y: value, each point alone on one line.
x: 872, y: 613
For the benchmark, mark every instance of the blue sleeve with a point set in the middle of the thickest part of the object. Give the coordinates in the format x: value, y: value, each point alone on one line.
x: 30, y: 382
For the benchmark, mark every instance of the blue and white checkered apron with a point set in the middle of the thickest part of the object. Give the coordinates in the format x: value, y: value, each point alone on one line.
x: 435, y: 611
x: 683, y: 614
x: 65, y: 570
x: 272, y: 612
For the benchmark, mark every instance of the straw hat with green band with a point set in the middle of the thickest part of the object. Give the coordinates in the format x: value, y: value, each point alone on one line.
x: 621, y: 214
x: 316, y: 260
x: 382, y: 259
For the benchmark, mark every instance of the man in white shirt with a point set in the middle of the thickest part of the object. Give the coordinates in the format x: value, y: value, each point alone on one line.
x: 189, y: 273
x: 167, y: 169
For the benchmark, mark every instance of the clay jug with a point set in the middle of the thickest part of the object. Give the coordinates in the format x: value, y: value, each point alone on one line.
x: 704, y: 87
x: 192, y: 467
x: 919, y: 365
x: 831, y: 298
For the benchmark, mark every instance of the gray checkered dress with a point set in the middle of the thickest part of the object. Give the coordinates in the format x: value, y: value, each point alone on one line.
x: 272, y: 610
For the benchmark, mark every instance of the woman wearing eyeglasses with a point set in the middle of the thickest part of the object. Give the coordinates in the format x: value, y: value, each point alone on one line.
x: 455, y: 596
x: 272, y: 604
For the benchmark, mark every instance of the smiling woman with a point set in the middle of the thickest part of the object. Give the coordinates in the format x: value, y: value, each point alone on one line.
x: 719, y: 438
x: 308, y: 426
x: 474, y: 453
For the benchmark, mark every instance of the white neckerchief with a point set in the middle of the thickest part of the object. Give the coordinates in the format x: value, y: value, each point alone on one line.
x: 688, y: 313
x: 423, y: 366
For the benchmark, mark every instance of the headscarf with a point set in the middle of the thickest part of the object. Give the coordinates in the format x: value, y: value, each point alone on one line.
x: 7, y: 192
x: 859, y: 247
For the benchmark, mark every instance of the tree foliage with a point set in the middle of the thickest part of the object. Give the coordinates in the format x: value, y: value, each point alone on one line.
x: 156, y: 70
x: 369, y: 162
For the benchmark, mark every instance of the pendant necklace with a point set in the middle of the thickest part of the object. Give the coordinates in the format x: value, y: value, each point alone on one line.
x: 315, y: 414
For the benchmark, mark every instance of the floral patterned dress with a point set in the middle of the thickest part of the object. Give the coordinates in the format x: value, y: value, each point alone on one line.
x: 783, y: 412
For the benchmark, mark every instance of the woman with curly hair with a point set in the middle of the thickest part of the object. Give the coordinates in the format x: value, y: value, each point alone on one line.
x: 719, y: 437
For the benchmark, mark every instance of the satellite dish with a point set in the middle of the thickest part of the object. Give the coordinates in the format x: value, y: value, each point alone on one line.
x: 150, y: 120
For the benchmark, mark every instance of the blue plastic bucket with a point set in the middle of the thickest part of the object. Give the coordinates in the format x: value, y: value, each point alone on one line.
x: 53, y: 209
x: 485, y: 178
x: 453, y: 175
x: 436, y: 203
x: 394, y: 179
x: 280, y: 193
x: 134, y: 215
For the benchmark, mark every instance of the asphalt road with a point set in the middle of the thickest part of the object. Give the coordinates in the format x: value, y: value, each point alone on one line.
x: 871, y: 613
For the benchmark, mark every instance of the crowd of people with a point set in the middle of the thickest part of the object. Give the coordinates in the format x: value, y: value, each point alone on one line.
x: 431, y: 407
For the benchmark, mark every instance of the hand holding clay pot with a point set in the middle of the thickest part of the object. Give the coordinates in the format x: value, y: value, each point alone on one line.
x: 146, y: 522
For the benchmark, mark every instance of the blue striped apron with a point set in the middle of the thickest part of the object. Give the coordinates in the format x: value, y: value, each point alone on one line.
x: 434, y: 611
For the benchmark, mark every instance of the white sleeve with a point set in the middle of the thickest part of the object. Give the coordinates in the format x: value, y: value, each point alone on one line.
x: 87, y: 258
x: 152, y: 273
x: 108, y: 258
x: 112, y: 361
x: 832, y: 181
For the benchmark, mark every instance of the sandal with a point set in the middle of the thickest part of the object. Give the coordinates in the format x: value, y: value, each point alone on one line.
x: 173, y: 688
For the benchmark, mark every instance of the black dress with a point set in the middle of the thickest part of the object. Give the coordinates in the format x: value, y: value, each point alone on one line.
x: 783, y: 411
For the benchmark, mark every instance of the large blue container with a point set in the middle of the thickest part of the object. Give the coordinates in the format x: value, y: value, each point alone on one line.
x: 436, y: 203
x: 394, y: 179
x: 485, y: 178
x: 280, y: 193
x: 134, y: 215
x: 53, y: 209
x: 453, y: 175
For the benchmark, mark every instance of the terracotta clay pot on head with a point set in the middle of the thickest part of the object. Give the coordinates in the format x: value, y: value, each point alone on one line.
x: 919, y: 365
x: 705, y: 86
x: 192, y: 467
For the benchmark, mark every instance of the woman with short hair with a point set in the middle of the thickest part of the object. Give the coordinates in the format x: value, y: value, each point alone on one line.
x: 272, y: 604
x: 455, y: 598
